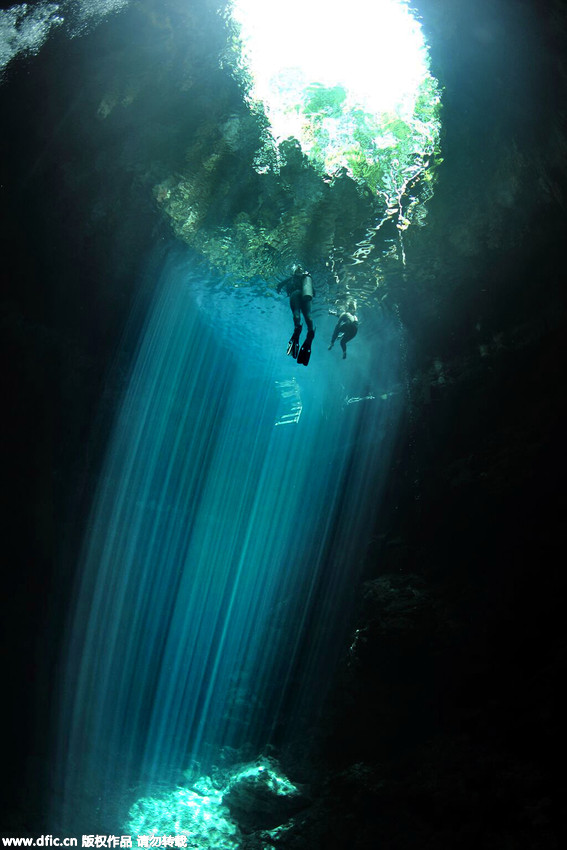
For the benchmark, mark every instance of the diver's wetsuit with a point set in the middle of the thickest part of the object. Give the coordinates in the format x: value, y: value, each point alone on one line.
x: 347, y: 327
x: 300, y: 289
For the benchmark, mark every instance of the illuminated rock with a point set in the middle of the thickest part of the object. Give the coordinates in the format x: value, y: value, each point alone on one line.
x: 260, y: 797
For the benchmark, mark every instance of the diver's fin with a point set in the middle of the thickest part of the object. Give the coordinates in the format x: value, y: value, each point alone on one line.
x: 293, y: 344
x: 305, y: 350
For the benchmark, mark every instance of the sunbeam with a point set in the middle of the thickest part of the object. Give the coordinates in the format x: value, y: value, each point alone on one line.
x: 222, y: 552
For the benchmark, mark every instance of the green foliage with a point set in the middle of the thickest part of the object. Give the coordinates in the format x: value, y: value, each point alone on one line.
x: 249, y: 205
x: 382, y: 152
x: 320, y: 100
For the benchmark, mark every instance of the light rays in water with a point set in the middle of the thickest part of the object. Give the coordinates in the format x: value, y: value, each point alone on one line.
x: 223, y: 552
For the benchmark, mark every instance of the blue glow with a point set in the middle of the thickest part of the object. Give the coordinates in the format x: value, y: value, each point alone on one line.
x: 222, y: 553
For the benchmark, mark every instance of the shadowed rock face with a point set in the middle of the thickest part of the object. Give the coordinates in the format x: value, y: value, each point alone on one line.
x: 259, y: 798
x: 447, y: 714
x: 486, y: 257
x: 445, y: 719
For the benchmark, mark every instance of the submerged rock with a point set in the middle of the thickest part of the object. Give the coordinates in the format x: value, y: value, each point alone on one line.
x: 200, y: 818
x: 254, y: 797
x: 260, y: 797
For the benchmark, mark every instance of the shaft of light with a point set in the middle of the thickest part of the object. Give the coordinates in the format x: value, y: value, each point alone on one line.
x: 222, y: 552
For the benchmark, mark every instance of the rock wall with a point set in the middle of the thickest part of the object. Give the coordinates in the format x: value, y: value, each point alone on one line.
x: 447, y: 715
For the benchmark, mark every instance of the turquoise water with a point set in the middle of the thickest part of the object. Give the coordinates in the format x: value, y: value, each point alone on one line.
x: 223, y: 550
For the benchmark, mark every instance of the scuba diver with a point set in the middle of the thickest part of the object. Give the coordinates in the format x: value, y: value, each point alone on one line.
x: 300, y: 289
x: 346, y: 327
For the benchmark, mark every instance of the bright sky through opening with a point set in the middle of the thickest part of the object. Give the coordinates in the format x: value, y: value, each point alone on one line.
x: 373, y: 48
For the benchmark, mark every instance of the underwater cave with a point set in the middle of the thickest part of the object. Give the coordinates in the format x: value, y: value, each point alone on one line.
x: 256, y: 600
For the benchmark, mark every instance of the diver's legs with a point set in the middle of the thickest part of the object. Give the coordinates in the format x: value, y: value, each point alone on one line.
x: 305, y: 350
x: 296, y: 306
x: 293, y: 344
x: 306, y: 310
x: 348, y: 334
x: 336, y: 332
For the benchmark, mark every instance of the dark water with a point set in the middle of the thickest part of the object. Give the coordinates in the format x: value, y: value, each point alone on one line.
x: 195, y: 586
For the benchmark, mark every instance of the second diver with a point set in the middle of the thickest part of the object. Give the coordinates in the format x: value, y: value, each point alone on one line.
x: 346, y: 327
